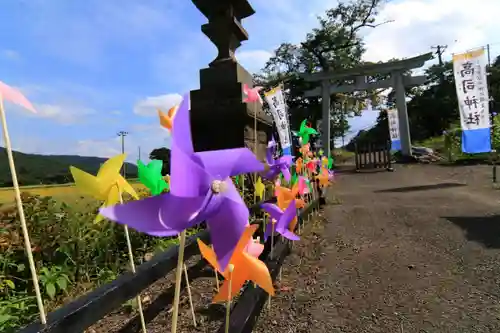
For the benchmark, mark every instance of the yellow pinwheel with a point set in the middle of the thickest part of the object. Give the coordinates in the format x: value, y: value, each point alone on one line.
x: 259, y: 189
x: 107, y: 186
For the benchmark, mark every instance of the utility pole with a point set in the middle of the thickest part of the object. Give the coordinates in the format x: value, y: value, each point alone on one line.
x: 139, y: 152
x: 342, y: 120
x: 123, y: 134
x: 439, y: 51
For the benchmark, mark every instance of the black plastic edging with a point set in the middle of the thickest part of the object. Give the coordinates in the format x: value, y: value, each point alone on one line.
x: 86, y: 310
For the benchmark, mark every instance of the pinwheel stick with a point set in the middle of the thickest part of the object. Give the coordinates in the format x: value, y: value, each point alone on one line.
x: 22, y: 218
x: 257, y: 240
x: 178, y: 277
x: 255, y: 146
x: 132, y: 267
x: 265, y: 215
x: 272, y: 239
x: 298, y: 223
x: 189, y: 292
x: 243, y: 186
x: 230, y: 288
x: 189, y: 295
x: 215, y: 270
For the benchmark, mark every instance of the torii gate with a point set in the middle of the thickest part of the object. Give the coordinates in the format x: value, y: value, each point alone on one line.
x: 397, y: 80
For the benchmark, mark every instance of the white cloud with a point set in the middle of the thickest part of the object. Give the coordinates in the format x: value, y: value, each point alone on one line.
x: 64, y: 115
x: 254, y: 60
x: 10, y: 54
x: 147, y: 137
x: 150, y: 105
x: 417, y: 25
x: 98, y: 148
x: 420, y: 24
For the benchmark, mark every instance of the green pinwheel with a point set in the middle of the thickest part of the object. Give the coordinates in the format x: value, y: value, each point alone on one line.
x: 305, y: 132
x: 151, y: 177
x: 330, y: 163
x: 295, y: 178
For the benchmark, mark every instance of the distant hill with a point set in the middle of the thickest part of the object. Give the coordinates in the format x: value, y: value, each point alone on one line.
x: 34, y: 169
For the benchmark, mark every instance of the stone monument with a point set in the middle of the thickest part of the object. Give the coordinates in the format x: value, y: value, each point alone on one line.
x: 219, y: 118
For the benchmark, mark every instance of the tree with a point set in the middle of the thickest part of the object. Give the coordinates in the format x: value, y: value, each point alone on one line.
x: 162, y: 154
x: 336, y: 44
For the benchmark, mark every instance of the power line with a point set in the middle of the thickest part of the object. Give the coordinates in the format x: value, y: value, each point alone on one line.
x: 123, y: 134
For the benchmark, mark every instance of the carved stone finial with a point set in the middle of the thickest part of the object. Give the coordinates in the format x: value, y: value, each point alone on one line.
x: 224, y: 25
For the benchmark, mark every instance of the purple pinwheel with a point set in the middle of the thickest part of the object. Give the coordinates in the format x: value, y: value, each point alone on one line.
x: 200, y: 190
x: 272, y: 145
x: 283, y: 220
x: 276, y: 166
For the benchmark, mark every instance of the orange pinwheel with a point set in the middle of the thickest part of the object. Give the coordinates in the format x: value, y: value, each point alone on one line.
x: 323, y: 178
x: 284, y: 196
x: 246, y: 267
x: 167, y: 120
x: 305, y: 149
x: 299, y: 165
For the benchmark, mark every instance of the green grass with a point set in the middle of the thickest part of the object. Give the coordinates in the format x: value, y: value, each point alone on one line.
x: 73, y: 253
x: 457, y: 156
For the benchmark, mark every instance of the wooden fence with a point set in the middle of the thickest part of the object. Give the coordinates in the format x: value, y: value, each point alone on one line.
x: 372, y: 156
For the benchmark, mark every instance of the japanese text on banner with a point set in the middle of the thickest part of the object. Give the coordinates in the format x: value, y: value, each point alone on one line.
x: 392, y: 118
x: 472, y: 92
x: 277, y: 106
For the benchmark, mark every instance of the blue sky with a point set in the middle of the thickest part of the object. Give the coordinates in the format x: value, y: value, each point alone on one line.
x: 94, y: 67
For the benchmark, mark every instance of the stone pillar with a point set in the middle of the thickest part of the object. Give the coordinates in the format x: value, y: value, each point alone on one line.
x: 404, y: 125
x: 325, y: 121
x: 219, y: 118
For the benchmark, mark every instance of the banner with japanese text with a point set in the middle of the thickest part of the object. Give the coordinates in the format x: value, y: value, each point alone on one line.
x: 392, y: 118
x: 277, y: 105
x: 472, y: 94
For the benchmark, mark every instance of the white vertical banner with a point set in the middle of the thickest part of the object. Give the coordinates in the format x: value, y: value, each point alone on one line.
x: 472, y: 94
x: 393, y: 120
x: 277, y: 105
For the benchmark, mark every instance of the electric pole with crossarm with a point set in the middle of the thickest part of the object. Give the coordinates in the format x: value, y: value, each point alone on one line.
x: 123, y: 134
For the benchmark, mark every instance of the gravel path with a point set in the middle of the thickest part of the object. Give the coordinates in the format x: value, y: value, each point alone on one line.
x: 416, y: 250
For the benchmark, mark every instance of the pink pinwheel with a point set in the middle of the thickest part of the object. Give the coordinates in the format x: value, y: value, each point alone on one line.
x: 15, y: 96
x: 200, y: 189
x: 254, y: 248
x: 277, y: 166
x: 303, y: 188
x: 252, y: 94
x: 283, y: 220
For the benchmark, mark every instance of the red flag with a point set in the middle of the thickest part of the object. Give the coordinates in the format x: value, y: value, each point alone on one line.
x: 15, y: 96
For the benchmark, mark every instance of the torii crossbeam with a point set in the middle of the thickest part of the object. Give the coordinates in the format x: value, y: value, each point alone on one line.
x: 397, y: 80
